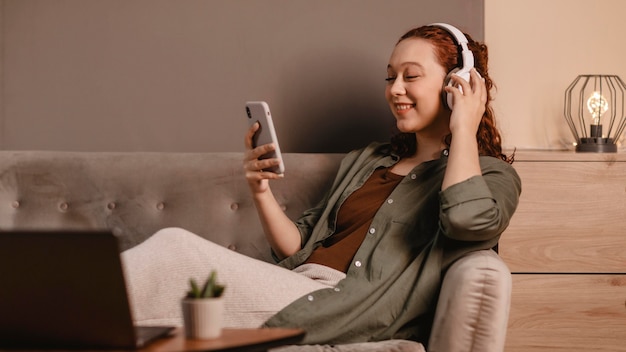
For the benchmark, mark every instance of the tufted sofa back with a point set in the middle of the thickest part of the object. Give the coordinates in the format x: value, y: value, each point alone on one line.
x: 137, y: 193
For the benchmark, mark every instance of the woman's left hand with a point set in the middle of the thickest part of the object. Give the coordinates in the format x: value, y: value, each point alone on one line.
x: 469, y: 105
x: 467, y: 112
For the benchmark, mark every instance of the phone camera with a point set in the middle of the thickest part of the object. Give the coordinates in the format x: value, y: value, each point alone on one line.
x: 248, y: 112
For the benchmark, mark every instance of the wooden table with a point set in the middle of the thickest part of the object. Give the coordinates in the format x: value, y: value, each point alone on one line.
x: 230, y: 340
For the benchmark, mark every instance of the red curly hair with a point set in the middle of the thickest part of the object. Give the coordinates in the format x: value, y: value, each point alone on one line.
x: 448, y: 54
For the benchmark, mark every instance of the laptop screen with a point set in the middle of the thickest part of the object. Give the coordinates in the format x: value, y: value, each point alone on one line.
x: 63, y: 289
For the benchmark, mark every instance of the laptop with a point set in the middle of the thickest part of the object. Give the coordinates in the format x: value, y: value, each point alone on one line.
x: 66, y: 289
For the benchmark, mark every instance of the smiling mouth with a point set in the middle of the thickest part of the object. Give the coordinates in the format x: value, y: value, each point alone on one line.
x: 404, y: 107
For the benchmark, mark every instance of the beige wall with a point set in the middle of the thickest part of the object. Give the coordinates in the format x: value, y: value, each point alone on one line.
x: 537, y: 48
x: 173, y: 75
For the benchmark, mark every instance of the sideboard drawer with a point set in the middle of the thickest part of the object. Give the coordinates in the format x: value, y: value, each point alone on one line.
x: 570, y: 218
x: 564, y: 312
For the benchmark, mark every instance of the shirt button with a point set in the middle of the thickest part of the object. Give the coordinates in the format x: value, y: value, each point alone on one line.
x: 337, y: 289
x: 389, y: 200
x: 357, y: 264
x: 372, y: 231
x: 310, y: 298
x: 413, y: 176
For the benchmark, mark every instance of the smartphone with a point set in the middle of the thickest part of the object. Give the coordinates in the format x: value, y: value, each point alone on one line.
x: 259, y: 111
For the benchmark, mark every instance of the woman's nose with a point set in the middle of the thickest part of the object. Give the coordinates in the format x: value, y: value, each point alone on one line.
x: 397, y: 87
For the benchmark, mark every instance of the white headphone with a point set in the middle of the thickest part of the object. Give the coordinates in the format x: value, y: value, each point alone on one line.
x: 466, y: 55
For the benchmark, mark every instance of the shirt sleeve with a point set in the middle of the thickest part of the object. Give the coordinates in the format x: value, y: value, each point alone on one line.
x: 480, y: 207
x: 309, y: 219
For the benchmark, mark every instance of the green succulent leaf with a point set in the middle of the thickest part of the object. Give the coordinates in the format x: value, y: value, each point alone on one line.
x: 210, y: 288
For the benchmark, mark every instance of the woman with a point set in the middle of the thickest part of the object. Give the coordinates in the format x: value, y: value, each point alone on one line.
x: 366, y: 263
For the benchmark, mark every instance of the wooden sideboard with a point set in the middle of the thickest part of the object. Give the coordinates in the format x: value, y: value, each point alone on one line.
x: 566, y: 248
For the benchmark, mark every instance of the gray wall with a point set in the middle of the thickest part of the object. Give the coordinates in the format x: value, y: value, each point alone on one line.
x: 158, y: 75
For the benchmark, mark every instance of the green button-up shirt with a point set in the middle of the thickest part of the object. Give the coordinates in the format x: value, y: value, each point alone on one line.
x: 392, y: 285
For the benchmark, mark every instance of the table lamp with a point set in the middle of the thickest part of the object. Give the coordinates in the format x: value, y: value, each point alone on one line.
x: 594, y: 110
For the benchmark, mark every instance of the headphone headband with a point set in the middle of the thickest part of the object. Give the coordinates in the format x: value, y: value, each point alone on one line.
x: 461, y: 40
x: 466, y: 55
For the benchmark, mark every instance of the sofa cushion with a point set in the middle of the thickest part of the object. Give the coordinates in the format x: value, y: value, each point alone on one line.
x: 137, y: 194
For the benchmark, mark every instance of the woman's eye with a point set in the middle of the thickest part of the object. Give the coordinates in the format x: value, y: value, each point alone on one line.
x: 391, y: 79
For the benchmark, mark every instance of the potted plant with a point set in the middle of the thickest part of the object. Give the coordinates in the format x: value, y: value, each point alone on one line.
x: 203, y: 308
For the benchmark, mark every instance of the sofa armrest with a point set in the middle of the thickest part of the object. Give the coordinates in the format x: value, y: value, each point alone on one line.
x: 473, y: 309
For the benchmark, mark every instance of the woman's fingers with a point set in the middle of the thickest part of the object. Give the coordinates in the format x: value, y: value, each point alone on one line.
x: 250, y: 134
x: 255, y: 164
x: 463, y: 88
x: 254, y: 155
x: 478, y: 85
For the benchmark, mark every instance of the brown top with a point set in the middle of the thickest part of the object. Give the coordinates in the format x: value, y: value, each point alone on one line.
x: 353, y: 219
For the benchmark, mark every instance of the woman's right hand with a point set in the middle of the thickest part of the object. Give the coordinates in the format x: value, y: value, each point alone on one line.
x: 282, y: 234
x: 254, y: 167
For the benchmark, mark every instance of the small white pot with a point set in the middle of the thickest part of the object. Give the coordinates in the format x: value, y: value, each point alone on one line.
x: 203, y: 317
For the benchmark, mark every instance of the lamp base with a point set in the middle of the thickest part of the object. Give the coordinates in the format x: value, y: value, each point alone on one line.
x: 596, y: 145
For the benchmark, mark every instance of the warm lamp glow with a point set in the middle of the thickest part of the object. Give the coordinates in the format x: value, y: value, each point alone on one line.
x: 597, y: 106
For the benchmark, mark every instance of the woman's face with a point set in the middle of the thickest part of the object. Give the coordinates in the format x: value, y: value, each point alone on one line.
x: 414, y: 87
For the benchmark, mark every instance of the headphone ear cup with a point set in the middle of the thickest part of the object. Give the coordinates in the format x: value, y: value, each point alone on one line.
x: 448, y: 98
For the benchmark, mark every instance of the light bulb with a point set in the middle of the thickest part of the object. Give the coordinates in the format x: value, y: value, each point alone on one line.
x: 597, y: 106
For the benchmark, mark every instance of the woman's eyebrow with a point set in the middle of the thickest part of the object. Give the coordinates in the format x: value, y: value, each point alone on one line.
x: 407, y: 63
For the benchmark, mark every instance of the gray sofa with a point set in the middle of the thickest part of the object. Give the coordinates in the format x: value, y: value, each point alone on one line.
x: 137, y: 193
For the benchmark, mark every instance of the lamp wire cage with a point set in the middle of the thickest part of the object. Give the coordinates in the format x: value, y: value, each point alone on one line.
x: 594, y: 110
